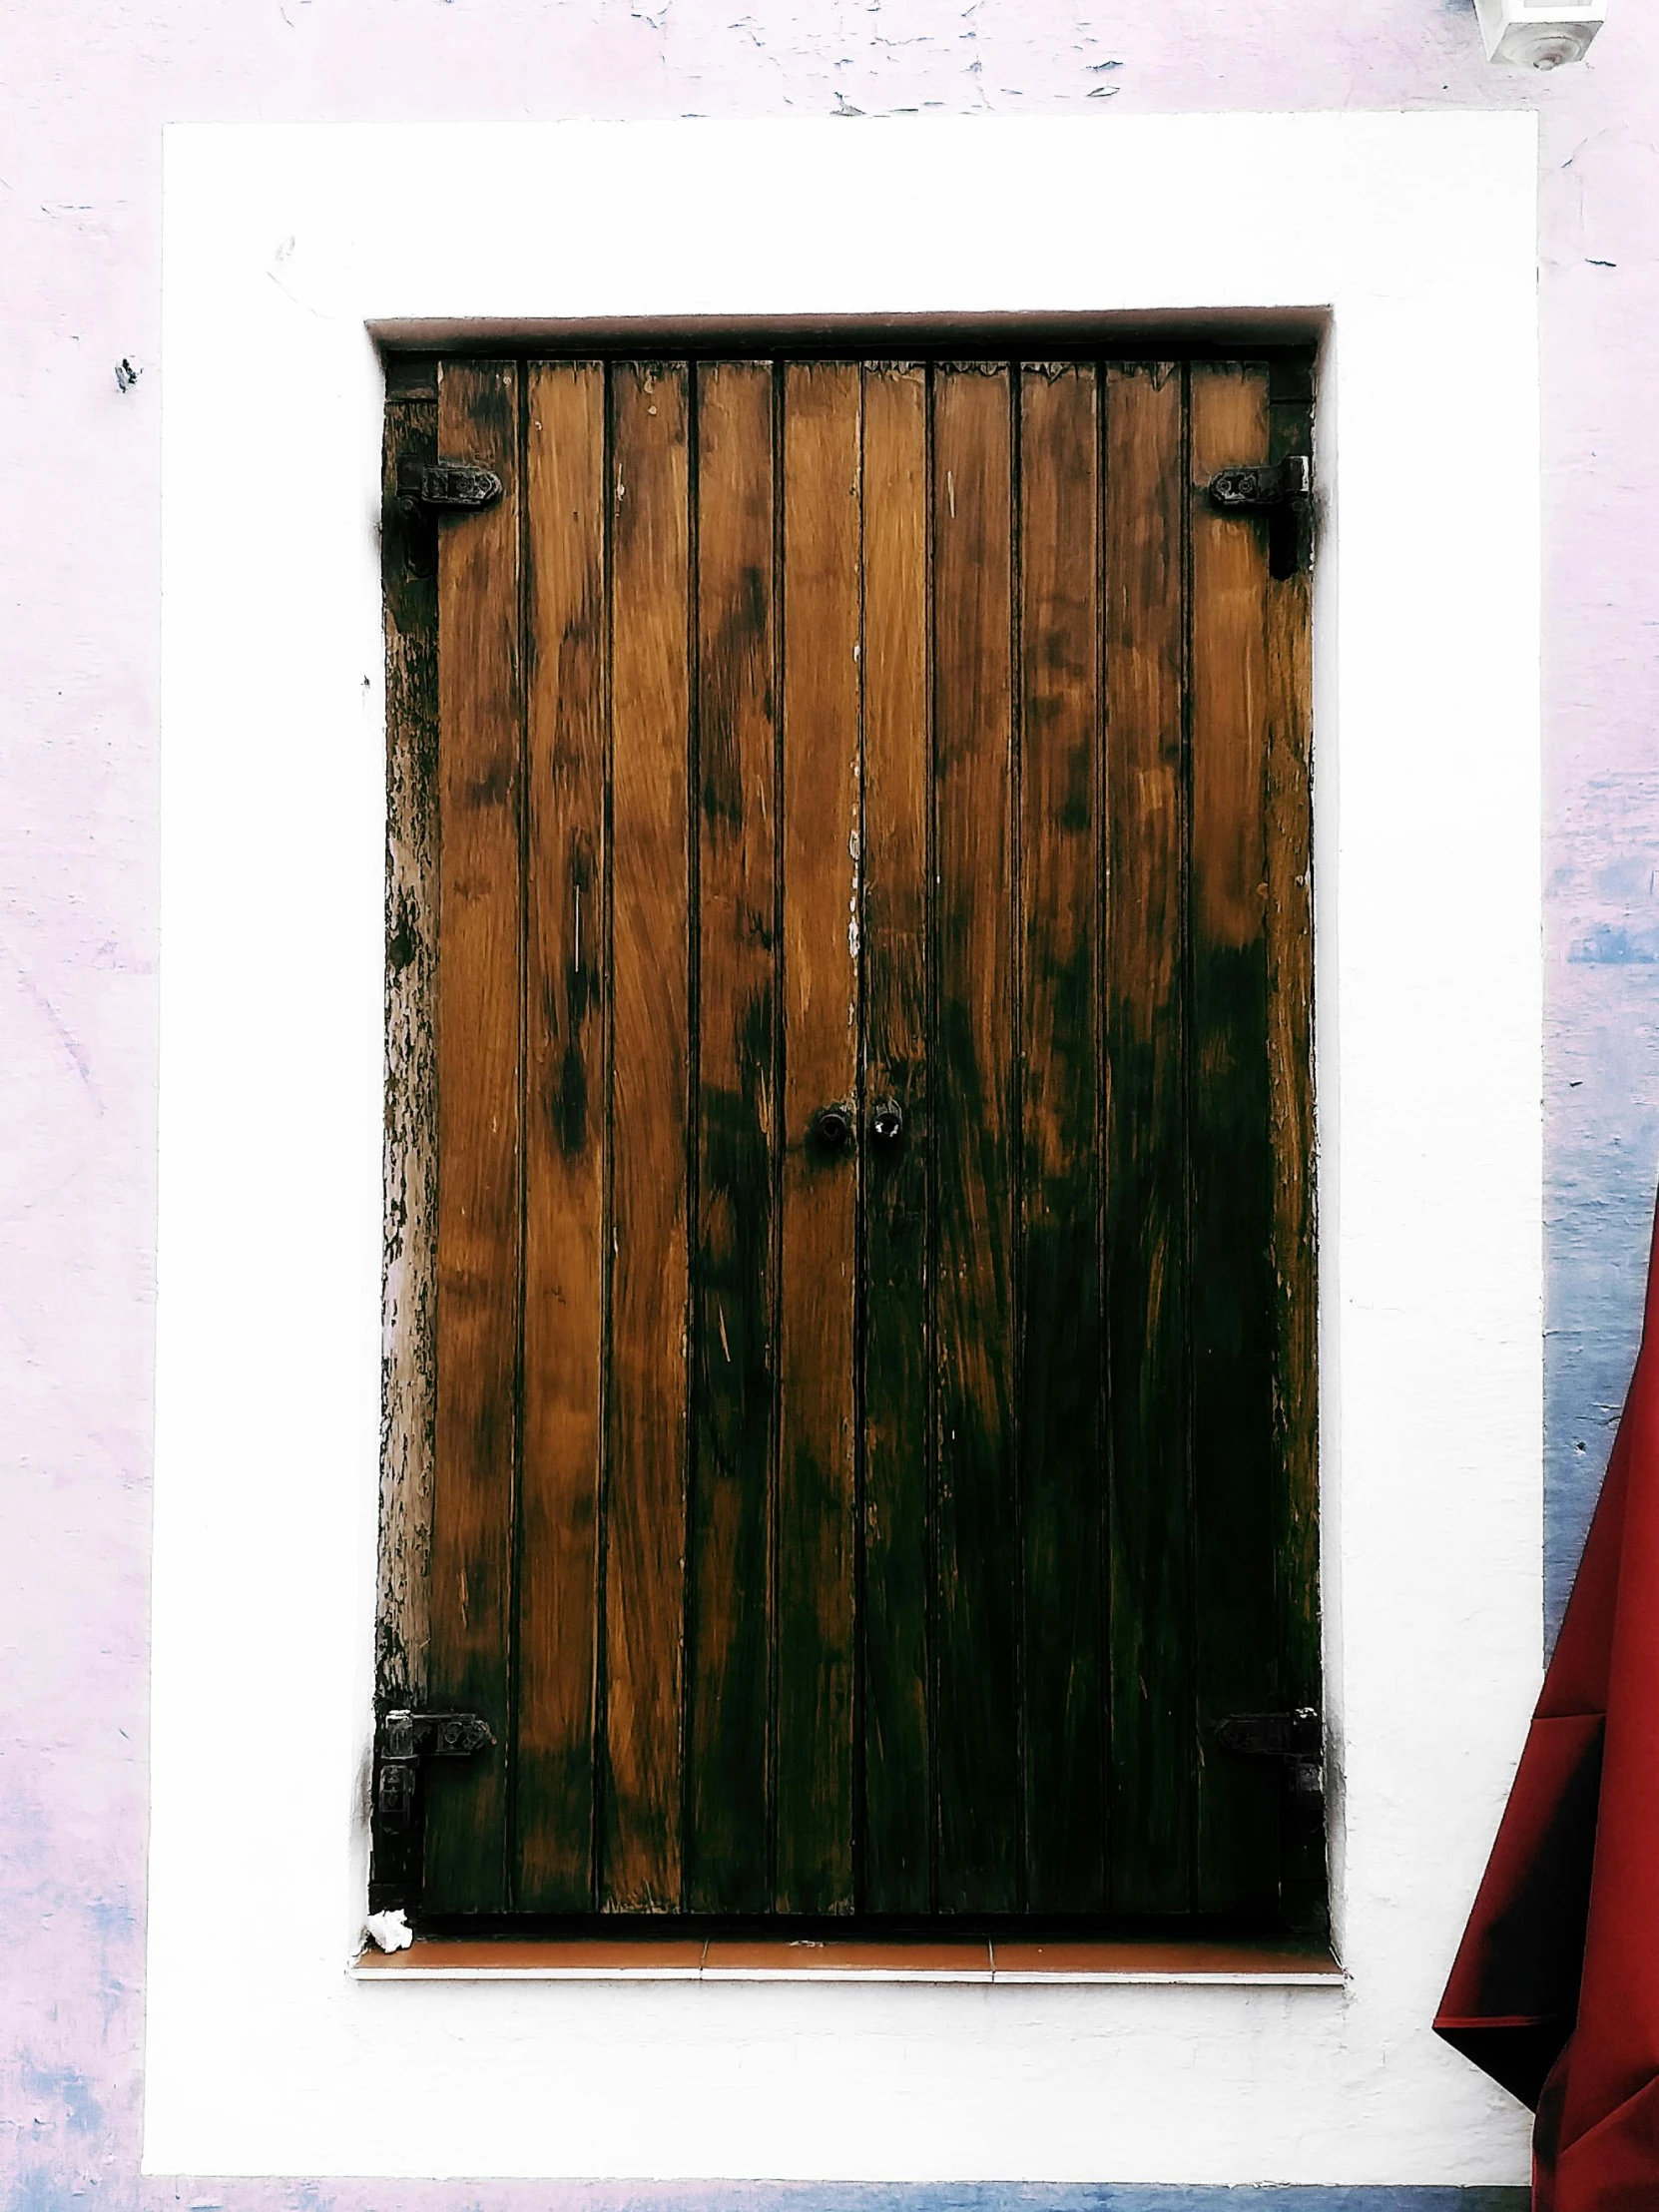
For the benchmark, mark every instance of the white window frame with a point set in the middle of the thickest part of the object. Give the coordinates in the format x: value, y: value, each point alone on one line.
x: 290, y: 252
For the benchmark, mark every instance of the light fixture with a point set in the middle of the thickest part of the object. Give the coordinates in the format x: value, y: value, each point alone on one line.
x: 1537, y: 37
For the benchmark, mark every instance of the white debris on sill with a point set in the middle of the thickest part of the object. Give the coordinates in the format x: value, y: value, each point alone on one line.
x: 389, y: 1930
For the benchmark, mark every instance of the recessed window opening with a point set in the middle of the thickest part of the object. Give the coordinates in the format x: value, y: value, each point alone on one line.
x: 850, y: 1389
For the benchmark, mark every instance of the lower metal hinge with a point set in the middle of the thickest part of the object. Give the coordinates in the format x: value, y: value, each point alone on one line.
x: 406, y: 1739
x: 1296, y: 1738
x: 454, y: 487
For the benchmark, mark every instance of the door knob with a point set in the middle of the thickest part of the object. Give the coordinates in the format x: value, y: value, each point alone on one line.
x: 886, y: 1121
x: 833, y: 1126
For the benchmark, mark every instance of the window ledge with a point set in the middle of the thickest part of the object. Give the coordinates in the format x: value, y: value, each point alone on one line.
x: 626, y: 1958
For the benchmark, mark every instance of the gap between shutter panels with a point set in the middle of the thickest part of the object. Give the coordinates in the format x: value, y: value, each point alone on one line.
x: 636, y: 1789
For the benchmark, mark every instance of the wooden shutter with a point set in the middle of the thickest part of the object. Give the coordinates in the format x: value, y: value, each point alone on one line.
x: 882, y: 1528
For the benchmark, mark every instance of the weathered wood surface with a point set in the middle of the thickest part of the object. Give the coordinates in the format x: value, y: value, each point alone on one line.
x: 817, y: 1530
x: 897, y: 1378
x: 881, y: 1529
x: 410, y: 1160
x: 1059, y: 1351
x: 1153, y: 1742
x: 564, y: 1134
x: 1232, y: 1294
x: 650, y: 1104
x: 479, y: 1012
x: 728, y: 1861
x: 1290, y: 922
x: 976, y: 1716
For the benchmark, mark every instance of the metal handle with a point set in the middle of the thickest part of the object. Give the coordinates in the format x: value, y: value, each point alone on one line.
x: 886, y: 1121
x: 833, y: 1126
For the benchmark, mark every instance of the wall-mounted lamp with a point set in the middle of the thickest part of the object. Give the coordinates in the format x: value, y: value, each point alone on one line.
x: 1537, y: 37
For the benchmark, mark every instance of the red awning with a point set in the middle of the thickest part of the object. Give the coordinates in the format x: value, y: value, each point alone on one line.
x: 1555, y: 1990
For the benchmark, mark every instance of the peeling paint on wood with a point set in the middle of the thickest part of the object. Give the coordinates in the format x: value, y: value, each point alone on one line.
x: 408, y: 1387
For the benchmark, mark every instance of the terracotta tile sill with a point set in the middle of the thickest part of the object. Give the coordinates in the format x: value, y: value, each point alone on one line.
x: 681, y: 1958
x: 1259, y: 1960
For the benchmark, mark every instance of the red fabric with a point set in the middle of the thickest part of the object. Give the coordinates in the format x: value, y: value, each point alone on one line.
x: 1555, y: 1992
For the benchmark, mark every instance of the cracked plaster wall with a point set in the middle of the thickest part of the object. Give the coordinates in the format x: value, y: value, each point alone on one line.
x: 86, y: 87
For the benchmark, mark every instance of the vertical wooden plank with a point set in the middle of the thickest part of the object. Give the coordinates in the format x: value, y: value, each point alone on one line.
x: 897, y: 1870
x: 1060, y: 1372
x: 816, y: 1500
x: 726, y: 1867
x: 650, y: 1062
x: 976, y: 1692
x: 1153, y: 1749
x: 1290, y: 923
x: 479, y: 987
x: 408, y: 1366
x: 564, y: 1134
x: 1231, y: 1168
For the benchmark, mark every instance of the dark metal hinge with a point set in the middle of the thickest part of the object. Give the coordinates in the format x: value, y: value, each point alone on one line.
x: 1256, y: 486
x: 1296, y: 1738
x: 452, y: 488
x: 406, y: 1739
x: 1282, y: 492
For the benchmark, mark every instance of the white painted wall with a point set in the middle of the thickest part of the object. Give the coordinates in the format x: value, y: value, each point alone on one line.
x: 284, y: 246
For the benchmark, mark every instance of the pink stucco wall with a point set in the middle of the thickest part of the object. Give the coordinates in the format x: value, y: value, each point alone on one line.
x: 85, y: 87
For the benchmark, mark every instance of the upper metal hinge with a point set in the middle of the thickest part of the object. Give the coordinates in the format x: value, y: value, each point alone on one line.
x: 1283, y: 493
x: 452, y: 488
x: 1255, y: 486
